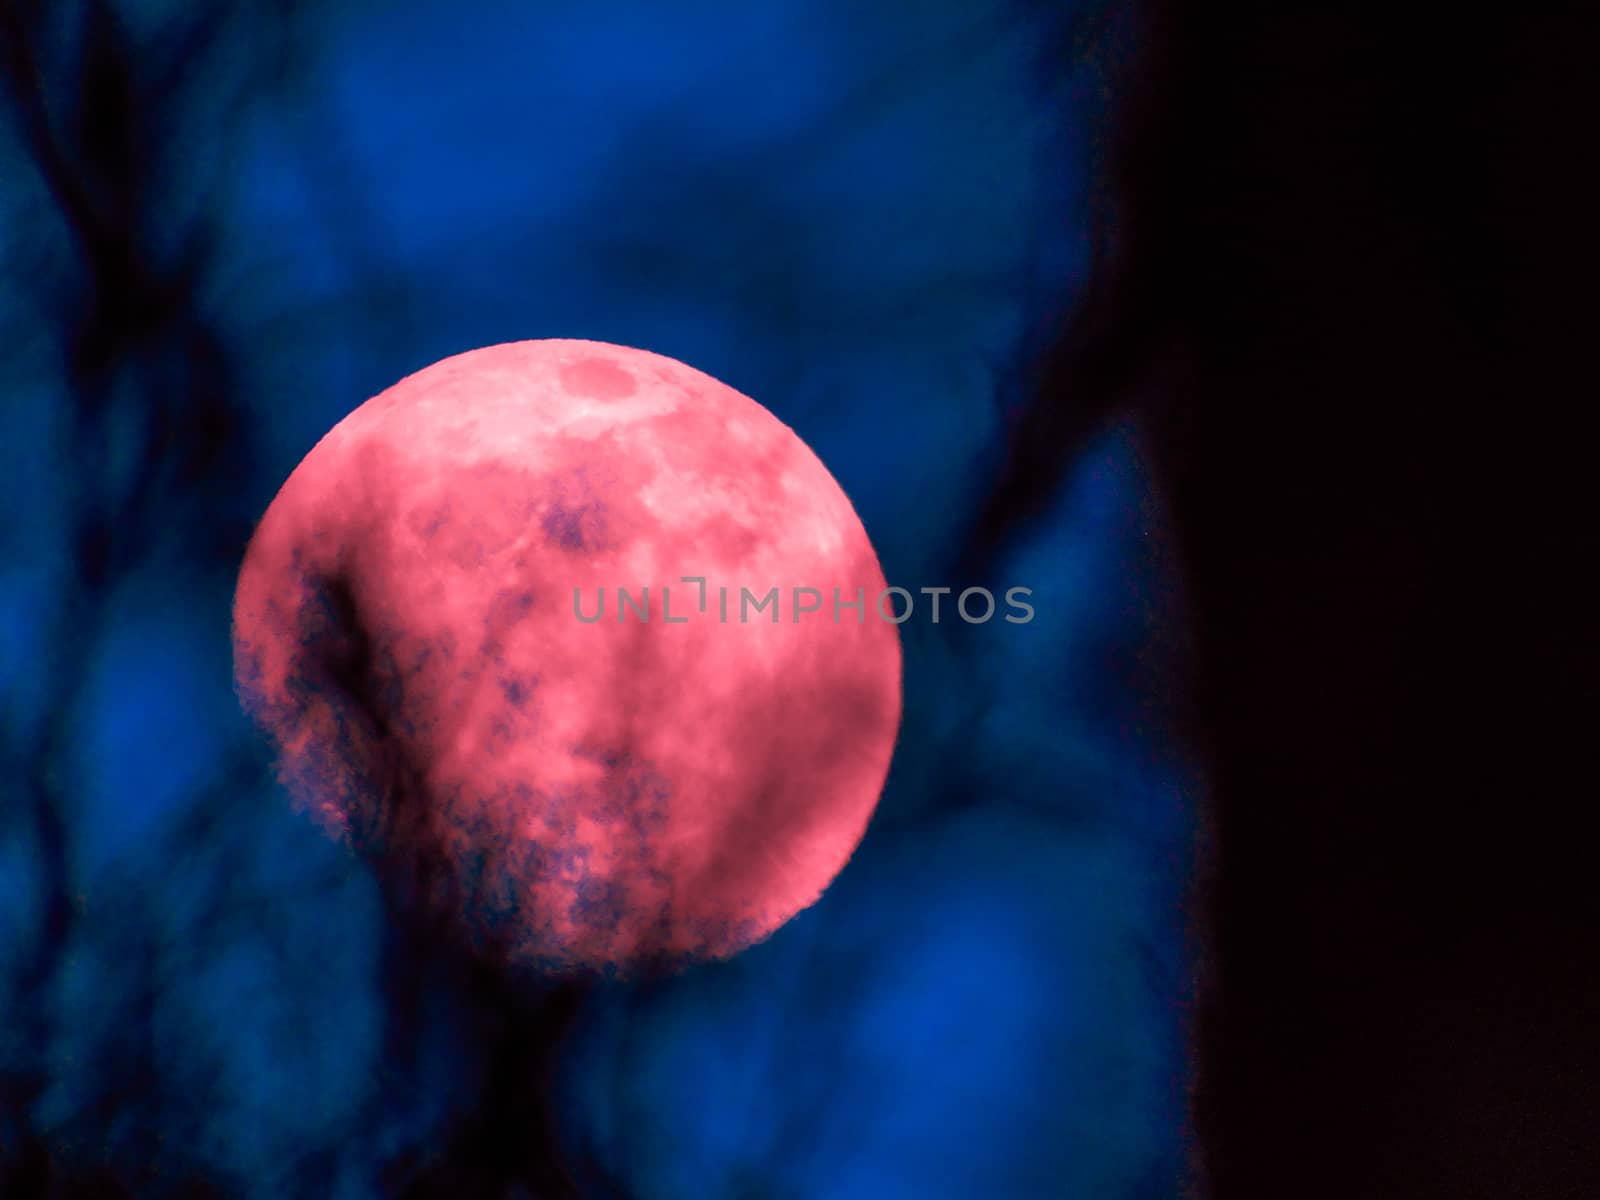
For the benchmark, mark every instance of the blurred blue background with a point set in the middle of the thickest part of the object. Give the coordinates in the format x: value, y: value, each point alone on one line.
x: 225, y: 227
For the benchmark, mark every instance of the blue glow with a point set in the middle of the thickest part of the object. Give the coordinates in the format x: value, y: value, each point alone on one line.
x: 854, y: 212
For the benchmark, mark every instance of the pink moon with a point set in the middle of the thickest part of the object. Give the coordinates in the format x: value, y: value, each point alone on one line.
x: 414, y: 631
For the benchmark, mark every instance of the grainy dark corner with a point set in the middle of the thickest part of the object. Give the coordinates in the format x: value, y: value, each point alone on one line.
x: 1360, y: 241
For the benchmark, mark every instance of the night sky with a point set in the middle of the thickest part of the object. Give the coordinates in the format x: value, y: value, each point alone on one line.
x: 223, y: 231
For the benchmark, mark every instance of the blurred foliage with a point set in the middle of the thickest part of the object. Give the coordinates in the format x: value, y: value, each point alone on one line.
x: 225, y: 226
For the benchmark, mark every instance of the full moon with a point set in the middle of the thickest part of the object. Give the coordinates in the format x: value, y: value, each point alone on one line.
x: 588, y: 633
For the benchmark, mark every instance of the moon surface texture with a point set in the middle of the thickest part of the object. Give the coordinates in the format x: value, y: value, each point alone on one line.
x: 414, y: 628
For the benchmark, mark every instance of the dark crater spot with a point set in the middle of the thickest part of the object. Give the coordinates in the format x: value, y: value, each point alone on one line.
x: 577, y: 527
